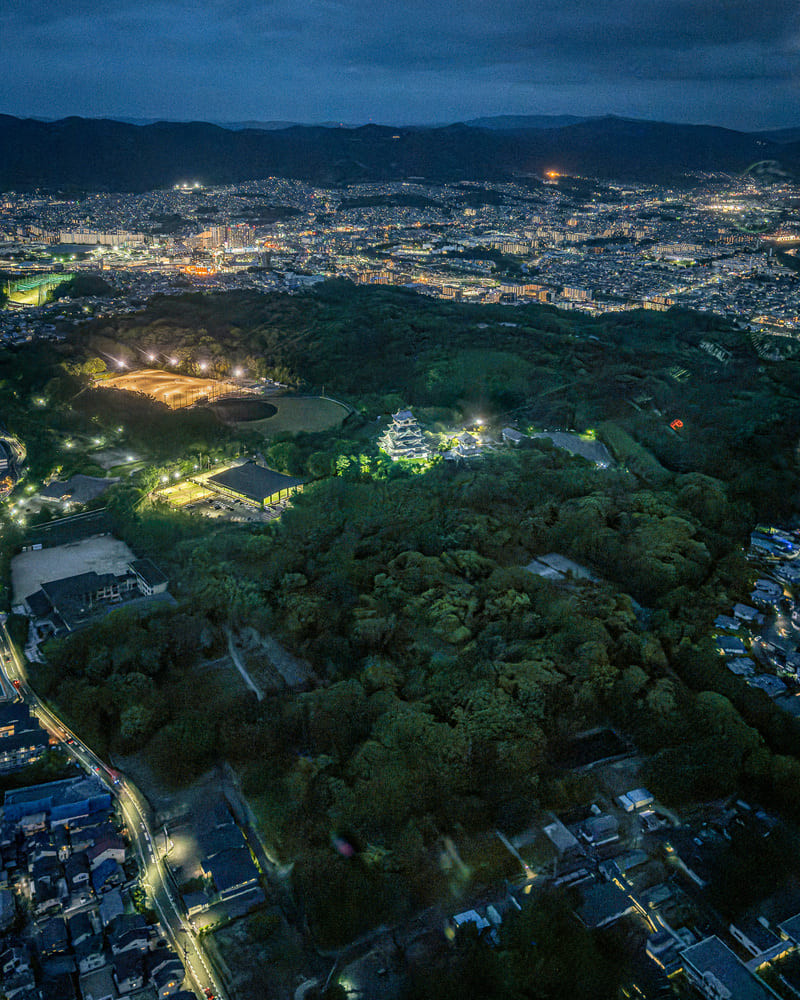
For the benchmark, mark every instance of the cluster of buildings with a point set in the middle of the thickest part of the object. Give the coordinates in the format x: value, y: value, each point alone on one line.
x: 760, y: 641
x: 231, y: 885
x: 22, y: 739
x: 69, y: 929
x: 630, y: 862
x: 613, y: 247
x: 405, y: 439
x: 72, y: 570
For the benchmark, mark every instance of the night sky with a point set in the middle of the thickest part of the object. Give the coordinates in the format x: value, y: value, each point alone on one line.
x: 726, y: 62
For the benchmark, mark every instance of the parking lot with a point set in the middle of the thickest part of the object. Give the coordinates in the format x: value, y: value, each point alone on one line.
x: 234, y: 510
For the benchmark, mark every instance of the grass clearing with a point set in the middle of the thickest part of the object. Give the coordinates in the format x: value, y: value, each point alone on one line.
x: 300, y: 413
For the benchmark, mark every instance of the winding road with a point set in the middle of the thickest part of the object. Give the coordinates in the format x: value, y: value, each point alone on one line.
x: 138, y: 819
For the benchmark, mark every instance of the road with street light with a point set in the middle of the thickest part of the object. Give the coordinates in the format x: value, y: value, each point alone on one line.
x: 138, y: 820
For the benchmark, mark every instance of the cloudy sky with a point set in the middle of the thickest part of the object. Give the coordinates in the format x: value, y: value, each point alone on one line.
x: 727, y: 62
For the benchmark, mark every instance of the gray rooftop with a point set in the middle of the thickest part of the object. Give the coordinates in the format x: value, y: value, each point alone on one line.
x: 254, y: 482
x: 712, y: 960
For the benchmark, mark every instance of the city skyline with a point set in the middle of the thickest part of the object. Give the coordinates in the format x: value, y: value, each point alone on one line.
x: 674, y: 60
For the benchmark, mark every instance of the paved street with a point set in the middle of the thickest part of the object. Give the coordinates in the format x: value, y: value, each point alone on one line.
x: 138, y: 818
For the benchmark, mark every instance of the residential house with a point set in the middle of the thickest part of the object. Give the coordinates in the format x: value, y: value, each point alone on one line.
x: 20, y: 986
x: 15, y: 959
x: 166, y: 972
x: 128, y: 932
x: 46, y: 871
x: 107, y: 876
x: 232, y: 872
x: 53, y: 939
x: 40, y: 845
x: 748, y: 615
x: 80, y: 928
x: 111, y: 906
x: 90, y: 953
x: 755, y: 936
x: 600, y: 830
x: 469, y: 917
x: 772, y: 686
x: 46, y: 899
x: 107, y: 847
x: 742, y: 666
x: 128, y: 967
x: 729, y: 645
x: 58, y: 986
x: 76, y: 870
x: 603, y: 904
x: 8, y: 909
x: 195, y: 902
x: 98, y: 985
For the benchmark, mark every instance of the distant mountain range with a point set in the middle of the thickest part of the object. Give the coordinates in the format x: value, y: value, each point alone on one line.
x: 104, y: 154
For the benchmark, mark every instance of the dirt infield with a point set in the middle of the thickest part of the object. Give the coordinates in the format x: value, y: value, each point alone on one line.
x: 238, y: 410
x: 167, y: 387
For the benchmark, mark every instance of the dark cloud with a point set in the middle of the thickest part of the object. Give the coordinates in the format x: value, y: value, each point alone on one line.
x: 731, y: 61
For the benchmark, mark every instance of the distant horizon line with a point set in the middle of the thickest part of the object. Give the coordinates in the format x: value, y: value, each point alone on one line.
x: 277, y: 124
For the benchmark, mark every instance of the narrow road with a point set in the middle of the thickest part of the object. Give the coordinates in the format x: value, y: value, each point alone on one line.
x: 137, y: 814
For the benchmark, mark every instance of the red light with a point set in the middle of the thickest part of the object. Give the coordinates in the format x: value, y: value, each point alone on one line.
x: 676, y: 425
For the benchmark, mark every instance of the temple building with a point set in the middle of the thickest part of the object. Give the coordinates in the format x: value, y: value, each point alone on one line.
x: 403, y: 438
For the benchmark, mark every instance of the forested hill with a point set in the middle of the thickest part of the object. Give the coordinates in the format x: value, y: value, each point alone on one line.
x: 383, y: 347
x: 450, y: 680
x: 99, y: 154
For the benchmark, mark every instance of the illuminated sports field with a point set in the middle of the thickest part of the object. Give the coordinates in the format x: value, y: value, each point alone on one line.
x: 184, y: 493
x: 175, y: 390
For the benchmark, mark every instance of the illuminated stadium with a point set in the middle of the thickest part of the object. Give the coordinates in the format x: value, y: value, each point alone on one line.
x: 175, y: 390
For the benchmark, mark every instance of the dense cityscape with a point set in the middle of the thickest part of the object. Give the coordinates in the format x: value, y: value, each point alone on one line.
x: 716, y: 246
x: 400, y: 500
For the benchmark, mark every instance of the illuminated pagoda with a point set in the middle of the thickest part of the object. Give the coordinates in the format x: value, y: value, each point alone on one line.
x: 403, y: 438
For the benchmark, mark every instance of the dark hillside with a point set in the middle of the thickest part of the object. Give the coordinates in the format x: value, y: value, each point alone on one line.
x: 98, y: 154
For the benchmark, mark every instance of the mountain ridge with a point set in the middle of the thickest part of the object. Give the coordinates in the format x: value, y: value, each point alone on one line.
x: 106, y: 154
